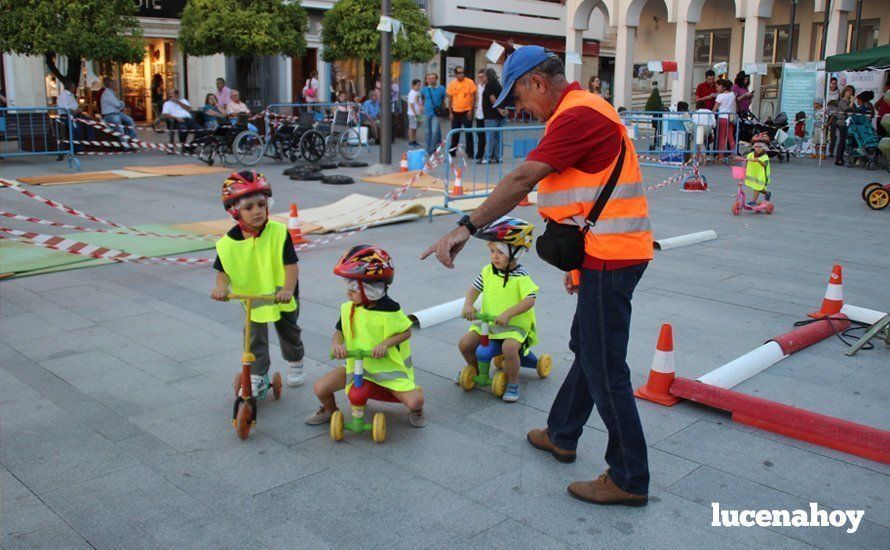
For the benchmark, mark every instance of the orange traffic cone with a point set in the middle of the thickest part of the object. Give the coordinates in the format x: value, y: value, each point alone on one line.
x: 661, y: 375
x: 834, y: 295
x: 403, y: 164
x: 458, y: 184
x: 293, y: 226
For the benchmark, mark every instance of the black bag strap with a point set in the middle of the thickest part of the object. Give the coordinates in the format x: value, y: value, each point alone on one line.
x: 603, y: 197
x: 429, y: 92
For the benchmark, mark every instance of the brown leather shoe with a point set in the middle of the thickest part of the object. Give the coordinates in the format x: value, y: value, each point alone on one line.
x: 603, y: 490
x: 540, y: 440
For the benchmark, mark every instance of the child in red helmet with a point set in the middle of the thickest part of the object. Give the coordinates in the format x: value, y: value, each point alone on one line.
x: 255, y: 257
x: 370, y: 320
x: 507, y: 291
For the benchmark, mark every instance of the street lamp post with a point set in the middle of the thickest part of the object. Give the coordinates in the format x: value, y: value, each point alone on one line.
x: 386, y: 90
x: 791, y: 31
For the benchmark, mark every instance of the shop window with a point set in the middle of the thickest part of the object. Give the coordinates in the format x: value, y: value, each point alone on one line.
x: 775, y: 44
x: 869, y: 32
x: 712, y: 46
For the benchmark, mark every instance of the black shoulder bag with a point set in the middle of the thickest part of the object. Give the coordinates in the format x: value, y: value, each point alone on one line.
x: 562, y: 245
x: 437, y: 109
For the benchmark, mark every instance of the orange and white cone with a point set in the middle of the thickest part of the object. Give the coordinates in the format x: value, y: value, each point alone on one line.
x: 458, y: 183
x: 661, y: 375
x: 293, y: 226
x: 403, y: 164
x: 834, y: 295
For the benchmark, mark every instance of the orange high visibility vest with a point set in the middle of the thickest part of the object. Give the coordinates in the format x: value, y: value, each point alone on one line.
x: 623, y: 231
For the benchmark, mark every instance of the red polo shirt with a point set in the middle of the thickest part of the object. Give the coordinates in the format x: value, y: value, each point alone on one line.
x: 703, y: 89
x: 583, y: 139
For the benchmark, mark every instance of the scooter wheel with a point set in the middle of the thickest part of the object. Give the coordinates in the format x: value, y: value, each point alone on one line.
x: 545, y: 365
x: 378, y: 428
x: 769, y: 208
x: 499, y: 383
x: 868, y: 188
x: 337, y: 426
x: 736, y: 209
x: 243, y: 420
x: 276, y: 385
x: 498, y: 362
x: 466, y: 378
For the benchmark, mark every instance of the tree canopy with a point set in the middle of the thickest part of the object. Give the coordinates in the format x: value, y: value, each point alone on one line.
x: 349, y: 31
x: 105, y: 30
x: 243, y: 28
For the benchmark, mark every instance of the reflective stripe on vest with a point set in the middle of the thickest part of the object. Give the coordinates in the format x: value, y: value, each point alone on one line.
x: 623, y: 231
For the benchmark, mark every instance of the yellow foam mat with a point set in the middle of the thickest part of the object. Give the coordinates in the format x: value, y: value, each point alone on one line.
x: 179, y: 169
x: 64, y: 179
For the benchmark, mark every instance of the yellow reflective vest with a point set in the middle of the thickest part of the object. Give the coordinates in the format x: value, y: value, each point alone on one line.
x: 498, y: 298
x: 757, y: 176
x: 365, y: 329
x: 255, y: 266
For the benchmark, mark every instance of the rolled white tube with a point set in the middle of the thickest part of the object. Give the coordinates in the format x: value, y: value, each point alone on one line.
x: 428, y: 317
x: 685, y: 240
x: 862, y: 315
x: 738, y: 370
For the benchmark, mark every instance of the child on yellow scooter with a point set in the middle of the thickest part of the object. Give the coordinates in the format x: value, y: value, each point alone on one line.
x: 507, y: 291
x: 370, y: 320
x: 257, y: 257
x: 757, y: 171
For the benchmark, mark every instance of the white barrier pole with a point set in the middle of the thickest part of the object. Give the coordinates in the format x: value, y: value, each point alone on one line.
x: 738, y: 370
x: 862, y: 315
x: 428, y: 317
x: 685, y: 240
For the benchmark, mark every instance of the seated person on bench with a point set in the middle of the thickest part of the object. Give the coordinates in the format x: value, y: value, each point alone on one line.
x: 177, y: 112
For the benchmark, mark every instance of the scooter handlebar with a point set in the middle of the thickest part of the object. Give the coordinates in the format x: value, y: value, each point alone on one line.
x: 255, y: 298
x: 486, y: 318
x: 355, y: 354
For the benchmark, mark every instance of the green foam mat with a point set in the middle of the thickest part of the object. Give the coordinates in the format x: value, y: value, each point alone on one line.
x: 25, y: 259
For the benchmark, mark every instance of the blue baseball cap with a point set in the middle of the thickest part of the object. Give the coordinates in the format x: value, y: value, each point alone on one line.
x: 520, y: 62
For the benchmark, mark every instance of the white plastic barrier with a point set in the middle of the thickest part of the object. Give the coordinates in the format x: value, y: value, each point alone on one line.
x: 428, y: 317
x: 862, y: 315
x: 738, y: 370
x: 685, y: 240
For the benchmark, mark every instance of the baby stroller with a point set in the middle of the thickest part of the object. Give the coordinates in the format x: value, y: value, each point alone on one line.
x: 862, y: 143
x: 778, y: 130
x: 751, y: 126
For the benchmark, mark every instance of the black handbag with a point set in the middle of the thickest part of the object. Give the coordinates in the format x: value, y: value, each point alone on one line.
x: 562, y: 245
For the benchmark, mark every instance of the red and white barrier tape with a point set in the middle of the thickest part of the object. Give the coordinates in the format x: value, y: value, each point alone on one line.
x: 129, y: 142
x: 41, y: 221
x: 85, y: 249
x: 83, y: 215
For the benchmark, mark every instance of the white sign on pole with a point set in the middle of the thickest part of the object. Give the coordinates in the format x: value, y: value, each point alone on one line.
x: 494, y: 52
x: 573, y: 58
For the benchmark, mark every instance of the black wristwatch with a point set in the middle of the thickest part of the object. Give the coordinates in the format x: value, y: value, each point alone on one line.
x: 465, y: 221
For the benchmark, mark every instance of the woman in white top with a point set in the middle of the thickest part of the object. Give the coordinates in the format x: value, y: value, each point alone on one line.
x: 725, y: 103
x: 310, y: 89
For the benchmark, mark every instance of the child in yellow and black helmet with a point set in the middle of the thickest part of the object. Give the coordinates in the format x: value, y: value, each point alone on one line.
x: 508, y: 292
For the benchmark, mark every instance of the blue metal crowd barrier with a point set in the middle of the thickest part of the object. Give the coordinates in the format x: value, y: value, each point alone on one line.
x: 668, y: 137
x: 478, y: 179
x: 30, y: 131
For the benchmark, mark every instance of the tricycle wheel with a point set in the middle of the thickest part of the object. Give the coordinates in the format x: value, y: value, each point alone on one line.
x: 736, y: 209
x: 337, y: 426
x: 378, y: 428
x: 869, y: 187
x: 243, y: 419
x: 545, y: 365
x: 499, y: 384
x: 466, y: 378
x: 878, y: 198
x: 276, y: 385
x: 498, y: 362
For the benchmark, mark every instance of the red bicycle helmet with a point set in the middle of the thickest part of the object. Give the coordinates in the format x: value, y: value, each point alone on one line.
x: 242, y: 184
x: 366, y: 262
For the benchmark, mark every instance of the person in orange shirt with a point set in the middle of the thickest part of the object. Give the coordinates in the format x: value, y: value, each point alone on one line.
x: 461, y: 94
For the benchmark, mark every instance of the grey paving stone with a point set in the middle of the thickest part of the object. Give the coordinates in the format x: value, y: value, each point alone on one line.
x: 56, y: 535
x: 513, y: 534
x: 707, y: 485
x: 795, y: 471
x: 23, y: 512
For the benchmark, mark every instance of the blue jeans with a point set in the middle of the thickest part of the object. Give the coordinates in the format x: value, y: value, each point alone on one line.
x: 432, y: 132
x: 493, y: 139
x: 123, y: 122
x: 600, y: 376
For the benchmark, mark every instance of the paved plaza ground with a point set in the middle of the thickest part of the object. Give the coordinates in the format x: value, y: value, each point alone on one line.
x: 116, y: 392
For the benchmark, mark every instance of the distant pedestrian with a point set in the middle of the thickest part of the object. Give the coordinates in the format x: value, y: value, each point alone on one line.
x: 742, y: 94
x: 223, y: 94
x: 178, y: 111
x: 113, y: 110
x: 726, y: 118
x: 462, y: 102
x: 433, y: 111
x: 706, y: 92
x: 494, y: 118
x: 415, y: 112
x: 310, y: 89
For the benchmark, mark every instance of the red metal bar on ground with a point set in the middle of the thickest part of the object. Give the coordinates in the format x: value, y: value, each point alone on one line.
x: 820, y: 429
x: 807, y: 335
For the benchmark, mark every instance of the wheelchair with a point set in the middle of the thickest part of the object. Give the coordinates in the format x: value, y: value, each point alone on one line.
x: 339, y: 136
